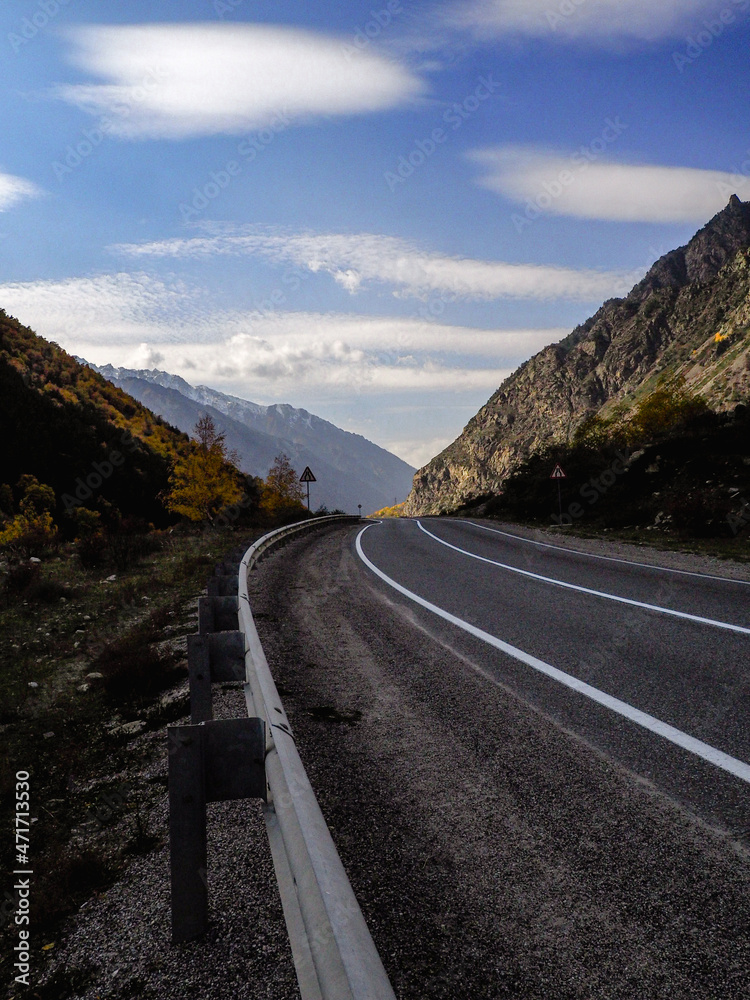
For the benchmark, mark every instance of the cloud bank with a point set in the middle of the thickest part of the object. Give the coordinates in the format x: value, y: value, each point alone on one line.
x: 174, y: 81
x: 602, y: 22
x: 138, y: 321
x: 354, y: 259
x: 577, y: 186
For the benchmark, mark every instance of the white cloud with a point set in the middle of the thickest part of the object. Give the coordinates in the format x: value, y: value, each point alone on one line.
x: 14, y: 189
x: 178, y: 80
x: 352, y: 259
x: 138, y: 321
x: 580, y: 186
x: 122, y: 307
x: 600, y: 21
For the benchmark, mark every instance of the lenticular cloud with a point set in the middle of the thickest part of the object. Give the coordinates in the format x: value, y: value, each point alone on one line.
x: 179, y: 80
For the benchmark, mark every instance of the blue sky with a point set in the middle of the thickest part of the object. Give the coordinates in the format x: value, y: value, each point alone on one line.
x: 373, y: 210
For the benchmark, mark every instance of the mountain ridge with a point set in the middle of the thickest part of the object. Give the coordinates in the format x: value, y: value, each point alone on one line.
x: 689, y: 315
x: 350, y: 469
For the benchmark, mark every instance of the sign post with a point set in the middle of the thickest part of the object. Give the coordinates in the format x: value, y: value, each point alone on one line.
x: 558, y: 474
x: 307, y: 477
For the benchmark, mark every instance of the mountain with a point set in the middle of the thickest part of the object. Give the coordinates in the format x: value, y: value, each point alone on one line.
x: 689, y: 316
x: 78, y: 433
x: 349, y: 469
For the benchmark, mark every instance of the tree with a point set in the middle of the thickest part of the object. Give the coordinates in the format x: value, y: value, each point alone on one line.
x: 282, y: 491
x: 206, y: 480
x: 32, y: 529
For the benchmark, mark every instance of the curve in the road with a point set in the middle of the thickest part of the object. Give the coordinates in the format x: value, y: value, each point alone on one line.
x: 697, y: 747
x: 588, y: 590
x: 617, y: 559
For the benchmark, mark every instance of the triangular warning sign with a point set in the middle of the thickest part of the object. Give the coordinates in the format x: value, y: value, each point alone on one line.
x: 557, y: 473
x: 307, y: 476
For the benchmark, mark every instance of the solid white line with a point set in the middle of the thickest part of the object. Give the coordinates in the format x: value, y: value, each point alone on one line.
x: 697, y: 747
x: 587, y: 590
x: 594, y: 555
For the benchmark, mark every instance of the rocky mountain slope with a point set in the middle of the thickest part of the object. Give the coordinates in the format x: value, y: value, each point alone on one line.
x: 690, y: 315
x: 350, y: 470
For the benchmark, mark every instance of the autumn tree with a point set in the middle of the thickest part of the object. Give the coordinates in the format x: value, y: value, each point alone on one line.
x: 282, y: 491
x: 206, y: 479
x: 33, y: 528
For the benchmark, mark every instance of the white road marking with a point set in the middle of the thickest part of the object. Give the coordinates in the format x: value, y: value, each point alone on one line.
x: 587, y: 590
x: 594, y: 555
x: 697, y: 747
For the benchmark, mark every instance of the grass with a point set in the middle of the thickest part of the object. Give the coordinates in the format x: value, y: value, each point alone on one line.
x: 60, y: 622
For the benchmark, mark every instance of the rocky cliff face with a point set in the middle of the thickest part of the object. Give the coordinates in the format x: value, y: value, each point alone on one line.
x: 690, y: 314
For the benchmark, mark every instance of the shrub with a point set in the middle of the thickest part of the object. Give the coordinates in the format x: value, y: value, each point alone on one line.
x: 134, y: 669
x: 90, y: 550
x: 47, y: 591
x: 32, y: 531
x: 666, y: 409
x: 131, y: 543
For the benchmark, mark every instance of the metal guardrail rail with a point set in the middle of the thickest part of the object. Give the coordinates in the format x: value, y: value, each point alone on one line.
x: 334, y: 955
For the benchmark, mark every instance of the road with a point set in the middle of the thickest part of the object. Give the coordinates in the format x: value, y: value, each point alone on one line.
x: 534, y: 762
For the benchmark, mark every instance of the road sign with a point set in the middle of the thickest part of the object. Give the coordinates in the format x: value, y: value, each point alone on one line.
x: 308, y: 477
x: 558, y: 474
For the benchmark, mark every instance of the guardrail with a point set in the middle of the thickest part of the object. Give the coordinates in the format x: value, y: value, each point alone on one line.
x: 334, y: 955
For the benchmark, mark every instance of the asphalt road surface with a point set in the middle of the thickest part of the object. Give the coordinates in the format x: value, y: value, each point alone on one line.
x: 534, y: 762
